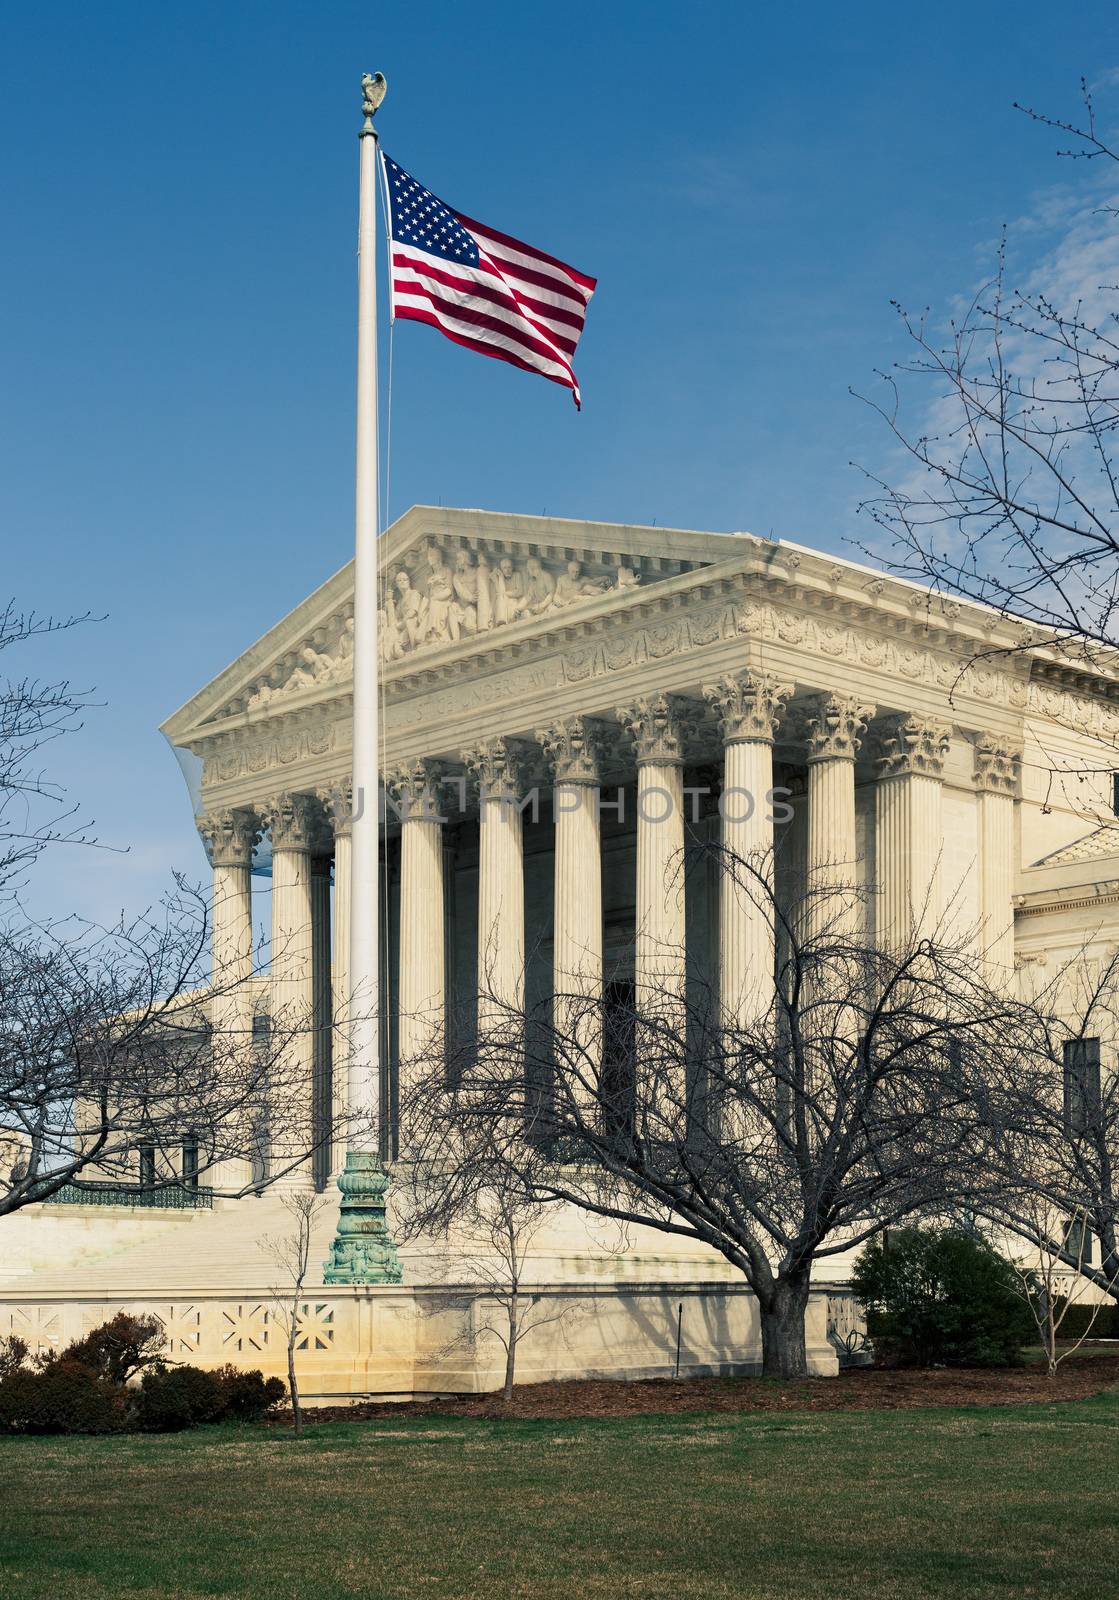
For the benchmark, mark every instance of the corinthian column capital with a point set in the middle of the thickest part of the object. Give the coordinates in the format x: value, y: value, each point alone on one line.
x: 749, y: 705
x: 500, y: 769
x: 413, y: 789
x: 996, y: 764
x: 296, y: 823
x: 658, y: 724
x: 834, y: 725
x: 574, y: 747
x: 230, y: 836
x: 338, y: 805
x: 912, y: 746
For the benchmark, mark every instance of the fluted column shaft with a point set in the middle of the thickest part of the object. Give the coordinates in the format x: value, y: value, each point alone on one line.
x: 834, y: 726
x: 996, y: 776
x: 749, y: 705
x: 909, y: 831
x: 422, y: 985
x: 296, y: 834
x: 577, y: 952
x: 498, y: 767
x: 231, y: 836
x: 659, y: 966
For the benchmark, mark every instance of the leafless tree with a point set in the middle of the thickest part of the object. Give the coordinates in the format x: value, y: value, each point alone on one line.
x: 1051, y: 1276
x: 1013, y: 500
x: 778, y: 1139
x: 108, y: 1058
x: 291, y: 1252
x: 33, y: 713
x: 466, y: 1186
x: 1051, y: 1121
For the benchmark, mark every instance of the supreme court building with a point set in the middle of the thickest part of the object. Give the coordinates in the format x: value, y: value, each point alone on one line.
x: 566, y: 707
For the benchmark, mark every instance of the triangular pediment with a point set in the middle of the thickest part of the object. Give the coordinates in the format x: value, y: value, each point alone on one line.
x: 1098, y: 845
x: 451, y: 579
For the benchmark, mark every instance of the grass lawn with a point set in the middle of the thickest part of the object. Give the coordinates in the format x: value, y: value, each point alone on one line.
x: 1010, y: 1501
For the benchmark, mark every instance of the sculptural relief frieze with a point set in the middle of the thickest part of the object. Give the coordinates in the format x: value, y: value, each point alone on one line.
x: 430, y: 599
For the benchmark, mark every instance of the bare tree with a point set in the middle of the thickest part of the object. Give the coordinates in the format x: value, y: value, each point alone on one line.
x: 1014, y: 500
x: 1051, y: 1123
x: 291, y: 1252
x: 468, y: 1186
x: 1051, y: 1276
x: 108, y: 1060
x: 830, y: 1112
x: 33, y: 713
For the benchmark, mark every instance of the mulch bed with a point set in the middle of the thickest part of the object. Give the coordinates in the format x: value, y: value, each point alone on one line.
x: 858, y: 1389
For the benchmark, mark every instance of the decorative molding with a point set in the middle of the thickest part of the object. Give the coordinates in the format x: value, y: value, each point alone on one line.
x: 574, y: 746
x: 911, y: 746
x: 748, y: 705
x: 833, y: 726
x: 414, y: 789
x: 500, y: 769
x: 296, y: 822
x: 996, y: 764
x: 658, y: 724
x: 231, y: 836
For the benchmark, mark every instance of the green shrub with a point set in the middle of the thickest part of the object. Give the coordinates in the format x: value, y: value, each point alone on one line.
x: 64, y: 1397
x: 171, y: 1398
x: 13, y: 1355
x: 249, y: 1395
x: 120, y: 1347
x: 941, y: 1297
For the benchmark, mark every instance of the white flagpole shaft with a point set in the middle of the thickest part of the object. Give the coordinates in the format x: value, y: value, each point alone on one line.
x: 364, y: 1027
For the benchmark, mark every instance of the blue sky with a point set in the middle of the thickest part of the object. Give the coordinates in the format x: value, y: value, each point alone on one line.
x: 750, y: 184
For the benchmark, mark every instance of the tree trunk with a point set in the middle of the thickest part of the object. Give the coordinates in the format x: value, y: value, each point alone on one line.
x: 510, y: 1350
x: 296, y: 1410
x: 782, y: 1321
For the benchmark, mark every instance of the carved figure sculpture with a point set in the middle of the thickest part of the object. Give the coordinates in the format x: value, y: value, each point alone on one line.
x: 627, y: 577
x: 442, y: 614
x: 485, y: 595
x: 465, y: 583
x: 510, y: 592
x: 540, y: 587
x: 411, y: 611
x: 573, y: 584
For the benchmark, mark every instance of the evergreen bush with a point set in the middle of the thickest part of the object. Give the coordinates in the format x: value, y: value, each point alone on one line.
x: 941, y: 1297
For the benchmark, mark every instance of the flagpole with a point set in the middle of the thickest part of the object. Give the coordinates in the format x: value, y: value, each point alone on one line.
x: 362, y: 1251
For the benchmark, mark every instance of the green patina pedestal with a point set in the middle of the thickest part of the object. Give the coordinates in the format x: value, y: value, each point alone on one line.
x: 362, y: 1251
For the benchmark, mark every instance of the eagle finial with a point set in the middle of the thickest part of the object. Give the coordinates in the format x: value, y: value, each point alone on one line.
x: 373, y: 87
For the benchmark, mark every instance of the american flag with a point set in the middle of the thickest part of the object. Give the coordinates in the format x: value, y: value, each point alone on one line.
x: 481, y: 288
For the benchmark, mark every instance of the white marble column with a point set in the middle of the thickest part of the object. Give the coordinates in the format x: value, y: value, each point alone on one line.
x: 997, y: 762
x: 909, y: 832
x: 231, y: 836
x: 297, y: 834
x: 833, y: 726
x: 498, y: 767
x: 657, y: 726
x: 577, y: 954
x: 748, y: 705
x: 421, y: 1024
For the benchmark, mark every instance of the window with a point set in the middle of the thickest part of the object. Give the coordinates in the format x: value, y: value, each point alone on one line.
x: 1115, y: 793
x: 1082, y: 1083
x: 147, y: 1166
x: 190, y: 1163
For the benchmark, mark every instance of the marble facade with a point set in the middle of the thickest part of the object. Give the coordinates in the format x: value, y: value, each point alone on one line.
x: 566, y: 706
